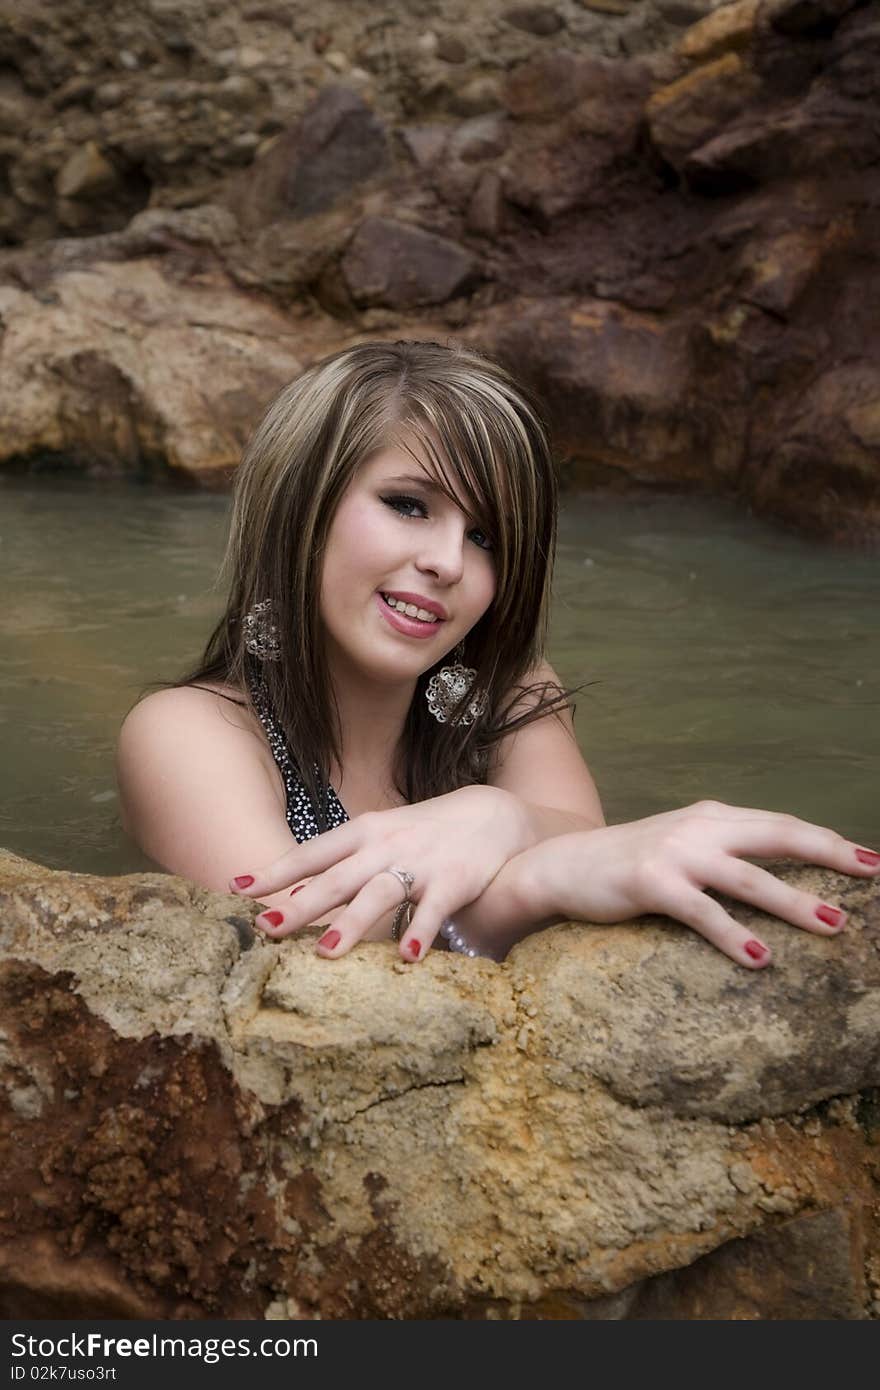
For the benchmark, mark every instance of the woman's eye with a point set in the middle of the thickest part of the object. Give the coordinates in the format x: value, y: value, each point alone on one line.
x: 403, y: 504
x: 404, y: 507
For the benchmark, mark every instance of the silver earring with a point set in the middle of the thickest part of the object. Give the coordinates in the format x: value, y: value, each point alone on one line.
x: 261, y: 634
x: 448, y: 686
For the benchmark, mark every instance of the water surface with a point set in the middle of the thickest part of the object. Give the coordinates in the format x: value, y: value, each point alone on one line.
x: 729, y: 659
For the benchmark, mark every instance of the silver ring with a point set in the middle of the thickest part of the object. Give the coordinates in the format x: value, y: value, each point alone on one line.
x: 405, y: 878
x: 404, y: 912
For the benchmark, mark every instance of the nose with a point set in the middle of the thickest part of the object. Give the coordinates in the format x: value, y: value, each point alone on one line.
x: 442, y: 553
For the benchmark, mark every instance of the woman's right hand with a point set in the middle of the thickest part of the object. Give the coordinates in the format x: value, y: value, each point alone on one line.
x: 663, y: 864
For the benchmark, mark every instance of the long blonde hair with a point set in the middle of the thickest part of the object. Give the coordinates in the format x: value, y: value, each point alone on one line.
x: 298, y: 464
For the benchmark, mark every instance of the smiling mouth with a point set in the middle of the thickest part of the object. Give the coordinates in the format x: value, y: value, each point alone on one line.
x: 410, y: 610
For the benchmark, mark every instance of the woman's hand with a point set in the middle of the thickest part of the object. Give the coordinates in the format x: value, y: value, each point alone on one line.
x: 662, y: 865
x: 453, y: 845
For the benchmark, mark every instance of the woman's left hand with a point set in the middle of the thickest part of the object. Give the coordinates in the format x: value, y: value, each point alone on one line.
x: 453, y: 845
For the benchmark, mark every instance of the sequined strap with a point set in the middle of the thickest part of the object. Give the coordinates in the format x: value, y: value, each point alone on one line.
x: 300, y: 811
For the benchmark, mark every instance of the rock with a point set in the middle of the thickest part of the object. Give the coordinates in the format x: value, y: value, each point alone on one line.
x: 809, y: 1267
x: 450, y: 49
x: 812, y: 458
x: 610, y: 6
x: 719, y: 197
x: 615, y: 385
x: 544, y: 86
x: 552, y: 176
x: 486, y: 206
x: 482, y: 137
x: 534, y: 19
x: 727, y: 29
x: 339, y: 144
x: 475, y: 97
x: 398, y: 266
x: 425, y: 143
x: 203, y: 1129
x: 288, y: 257
x: 683, y: 11
x: 87, y: 174
x: 776, y: 272
x: 688, y: 113
x: 106, y: 364
x: 805, y: 16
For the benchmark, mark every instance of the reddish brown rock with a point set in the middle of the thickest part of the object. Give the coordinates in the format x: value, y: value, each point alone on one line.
x: 534, y: 19
x: 617, y: 387
x: 544, y: 87
x: 401, y: 266
x: 688, y: 113
x: 338, y: 144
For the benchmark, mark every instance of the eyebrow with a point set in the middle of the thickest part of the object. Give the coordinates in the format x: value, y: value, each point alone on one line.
x: 417, y: 480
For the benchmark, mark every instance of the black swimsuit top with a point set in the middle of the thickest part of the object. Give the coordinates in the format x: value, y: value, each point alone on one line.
x: 301, y: 815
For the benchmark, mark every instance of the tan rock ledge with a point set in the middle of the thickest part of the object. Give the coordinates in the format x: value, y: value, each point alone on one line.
x: 616, y: 1122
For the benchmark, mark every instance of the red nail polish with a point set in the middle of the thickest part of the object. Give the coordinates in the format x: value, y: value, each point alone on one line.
x: 754, y: 949
x: 330, y: 939
x: 415, y: 948
x: 298, y: 889
x: 243, y: 880
x: 868, y: 856
x: 831, y: 915
x: 273, y: 918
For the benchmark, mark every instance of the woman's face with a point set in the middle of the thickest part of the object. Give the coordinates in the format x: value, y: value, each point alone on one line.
x: 396, y: 536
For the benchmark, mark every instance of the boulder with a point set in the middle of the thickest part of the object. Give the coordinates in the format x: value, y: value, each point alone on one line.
x: 403, y: 266
x: 615, y: 1122
x: 105, y: 362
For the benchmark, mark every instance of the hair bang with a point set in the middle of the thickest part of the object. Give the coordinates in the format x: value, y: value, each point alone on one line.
x: 463, y: 472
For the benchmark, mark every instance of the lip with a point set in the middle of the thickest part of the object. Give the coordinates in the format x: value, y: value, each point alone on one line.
x: 429, y: 606
x: 410, y: 627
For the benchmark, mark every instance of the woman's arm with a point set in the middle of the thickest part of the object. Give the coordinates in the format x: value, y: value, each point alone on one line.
x: 542, y: 766
x: 662, y: 865
x: 196, y: 794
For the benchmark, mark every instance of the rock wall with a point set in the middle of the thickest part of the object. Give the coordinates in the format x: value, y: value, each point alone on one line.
x: 617, y: 1122
x: 107, y: 108
x: 668, y: 228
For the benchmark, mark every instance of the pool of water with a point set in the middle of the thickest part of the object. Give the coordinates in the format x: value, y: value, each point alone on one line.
x: 728, y: 659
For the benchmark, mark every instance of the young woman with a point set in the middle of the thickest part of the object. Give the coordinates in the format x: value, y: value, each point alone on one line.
x: 373, y: 726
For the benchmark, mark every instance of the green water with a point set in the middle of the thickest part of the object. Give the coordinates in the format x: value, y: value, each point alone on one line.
x: 732, y: 659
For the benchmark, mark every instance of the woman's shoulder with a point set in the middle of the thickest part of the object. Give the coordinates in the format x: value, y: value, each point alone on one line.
x: 192, y: 733
x: 198, y: 705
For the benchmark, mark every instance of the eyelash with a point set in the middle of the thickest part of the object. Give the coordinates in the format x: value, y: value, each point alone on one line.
x: 396, y: 498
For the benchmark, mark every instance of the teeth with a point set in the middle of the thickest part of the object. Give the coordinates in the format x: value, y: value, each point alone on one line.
x: 410, y: 609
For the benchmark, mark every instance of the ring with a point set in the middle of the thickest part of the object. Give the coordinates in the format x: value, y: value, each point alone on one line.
x: 406, y: 880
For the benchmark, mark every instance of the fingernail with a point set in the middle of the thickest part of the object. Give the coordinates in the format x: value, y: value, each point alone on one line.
x: 330, y: 939
x: 243, y: 880
x: 754, y: 949
x: 299, y: 887
x: 868, y: 856
x: 831, y: 915
x: 273, y: 918
x: 415, y: 948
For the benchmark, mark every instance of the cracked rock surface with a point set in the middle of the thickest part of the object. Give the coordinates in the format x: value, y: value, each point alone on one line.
x: 617, y: 1122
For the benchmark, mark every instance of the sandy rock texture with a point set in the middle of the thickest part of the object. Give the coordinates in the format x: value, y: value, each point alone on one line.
x: 663, y: 216
x: 615, y: 1123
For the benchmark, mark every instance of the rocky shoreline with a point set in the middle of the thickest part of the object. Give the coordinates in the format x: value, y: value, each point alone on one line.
x: 670, y: 232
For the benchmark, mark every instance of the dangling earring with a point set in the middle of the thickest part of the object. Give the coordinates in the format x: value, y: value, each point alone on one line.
x: 261, y: 634
x: 448, y: 686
